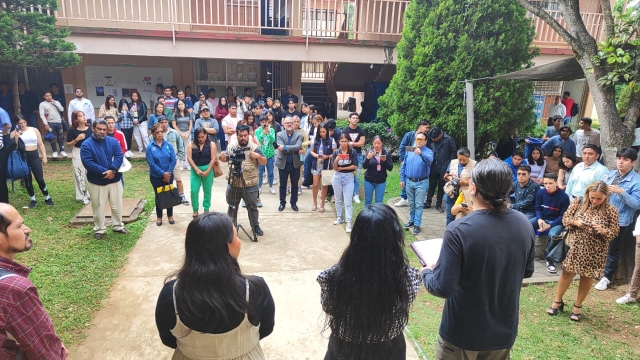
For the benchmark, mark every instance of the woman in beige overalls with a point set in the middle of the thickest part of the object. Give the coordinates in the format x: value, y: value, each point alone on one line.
x: 211, y: 310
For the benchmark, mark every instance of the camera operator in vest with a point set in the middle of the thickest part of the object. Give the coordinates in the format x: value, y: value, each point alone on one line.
x: 244, y: 157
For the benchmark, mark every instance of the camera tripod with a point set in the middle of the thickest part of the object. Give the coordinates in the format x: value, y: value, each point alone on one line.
x: 235, y: 172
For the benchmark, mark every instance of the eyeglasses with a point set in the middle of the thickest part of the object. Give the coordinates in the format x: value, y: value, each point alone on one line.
x: 522, y: 174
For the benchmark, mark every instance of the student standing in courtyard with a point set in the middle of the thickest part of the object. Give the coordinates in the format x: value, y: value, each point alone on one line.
x: 367, y: 294
x: 480, y: 270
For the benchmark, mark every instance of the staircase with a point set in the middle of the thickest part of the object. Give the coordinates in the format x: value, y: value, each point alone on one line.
x: 315, y: 93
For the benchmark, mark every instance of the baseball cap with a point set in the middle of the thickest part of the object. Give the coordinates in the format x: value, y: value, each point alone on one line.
x: 204, y: 108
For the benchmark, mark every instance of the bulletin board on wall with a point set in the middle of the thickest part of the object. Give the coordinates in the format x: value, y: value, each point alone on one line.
x: 121, y: 81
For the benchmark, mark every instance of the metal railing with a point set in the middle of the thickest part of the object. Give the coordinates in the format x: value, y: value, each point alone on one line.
x: 349, y: 19
x: 594, y: 22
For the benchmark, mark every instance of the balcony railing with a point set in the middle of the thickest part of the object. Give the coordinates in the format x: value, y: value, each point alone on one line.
x: 545, y: 35
x: 348, y: 19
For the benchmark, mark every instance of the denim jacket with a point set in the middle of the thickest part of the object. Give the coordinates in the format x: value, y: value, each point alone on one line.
x: 629, y: 201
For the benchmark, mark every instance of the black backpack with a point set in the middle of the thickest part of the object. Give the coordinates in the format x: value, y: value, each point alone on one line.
x: 575, y: 109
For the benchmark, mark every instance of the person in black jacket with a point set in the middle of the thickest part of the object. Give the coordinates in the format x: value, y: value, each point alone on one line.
x: 376, y: 165
x: 444, y: 150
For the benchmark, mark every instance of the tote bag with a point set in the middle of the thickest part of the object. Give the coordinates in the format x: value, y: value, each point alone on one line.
x: 167, y: 197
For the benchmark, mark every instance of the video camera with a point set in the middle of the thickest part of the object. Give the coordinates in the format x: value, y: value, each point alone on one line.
x: 238, y: 155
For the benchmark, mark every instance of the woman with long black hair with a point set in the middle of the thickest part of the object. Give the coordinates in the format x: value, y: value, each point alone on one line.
x: 77, y: 134
x: 139, y: 115
x: 213, y: 310
x: 368, y: 293
x: 32, y: 141
x: 220, y: 113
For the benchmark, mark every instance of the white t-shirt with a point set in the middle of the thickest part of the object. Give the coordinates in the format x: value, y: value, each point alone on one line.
x: 230, y: 123
x: 83, y: 105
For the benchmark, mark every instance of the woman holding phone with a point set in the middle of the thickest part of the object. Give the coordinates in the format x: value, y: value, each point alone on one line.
x: 376, y: 165
x: 345, y: 162
x: 592, y: 223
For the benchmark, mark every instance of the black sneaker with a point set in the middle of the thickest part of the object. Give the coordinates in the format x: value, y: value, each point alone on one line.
x: 32, y: 204
x: 551, y: 268
x: 408, y: 225
x: 259, y: 231
x: 49, y: 202
x: 427, y: 205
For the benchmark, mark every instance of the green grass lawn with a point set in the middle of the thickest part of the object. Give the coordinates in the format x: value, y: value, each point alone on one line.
x: 72, y: 271
x: 607, y: 330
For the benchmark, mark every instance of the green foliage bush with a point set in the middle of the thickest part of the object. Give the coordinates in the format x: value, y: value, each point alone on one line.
x: 445, y: 42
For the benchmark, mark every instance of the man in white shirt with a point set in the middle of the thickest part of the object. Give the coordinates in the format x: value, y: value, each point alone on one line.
x: 586, y: 172
x: 585, y: 135
x: 230, y: 122
x: 82, y: 104
x: 557, y: 108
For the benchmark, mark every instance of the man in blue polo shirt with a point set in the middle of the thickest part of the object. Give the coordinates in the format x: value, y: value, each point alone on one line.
x: 409, y: 139
x: 624, y: 194
x: 414, y: 175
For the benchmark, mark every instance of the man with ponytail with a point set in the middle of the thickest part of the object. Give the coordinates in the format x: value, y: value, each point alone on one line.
x: 483, y: 260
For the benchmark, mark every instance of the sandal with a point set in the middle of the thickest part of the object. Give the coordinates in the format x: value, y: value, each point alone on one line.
x: 554, y: 311
x: 321, y: 208
x: 576, y: 317
x: 314, y: 207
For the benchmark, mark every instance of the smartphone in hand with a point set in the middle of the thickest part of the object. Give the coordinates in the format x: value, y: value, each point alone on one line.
x: 409, y: 148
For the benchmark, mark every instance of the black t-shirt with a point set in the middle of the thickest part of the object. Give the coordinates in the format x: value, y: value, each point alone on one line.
x: 259, y: 299
x: 286, y: 113
x: 73, y: 133
x: 354, y: 135
x: 342, y: 163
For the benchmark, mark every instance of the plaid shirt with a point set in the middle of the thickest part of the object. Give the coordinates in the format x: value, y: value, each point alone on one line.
x: 22, y: 315
x: 126, y: 120
x: 413, y: 282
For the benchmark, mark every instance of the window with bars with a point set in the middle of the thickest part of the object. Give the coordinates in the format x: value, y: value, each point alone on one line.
x: 228, y: 73
x: 320, y: 22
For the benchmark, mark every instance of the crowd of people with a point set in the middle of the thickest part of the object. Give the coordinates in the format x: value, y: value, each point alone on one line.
x: 366, y: 296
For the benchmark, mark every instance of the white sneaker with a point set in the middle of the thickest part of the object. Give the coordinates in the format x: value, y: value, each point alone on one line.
x: 64, y: 154
x: 627, y: 299
x: 348, y: 228
x: 85, y: 201
x: 356, y: 199
x: 337, y: 222
x: 401, y: 203
x: 260, y: 191
x: 299, y: 191
x: 272, y: 191
x: 127, y: 154
x: 603, y: 284
x: 54, y: 155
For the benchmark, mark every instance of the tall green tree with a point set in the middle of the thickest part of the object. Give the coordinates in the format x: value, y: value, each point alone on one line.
x: 445, y: 42
x: 29, y: 37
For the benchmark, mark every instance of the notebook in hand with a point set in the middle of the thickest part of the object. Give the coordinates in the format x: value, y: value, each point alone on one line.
x: 428, y: 251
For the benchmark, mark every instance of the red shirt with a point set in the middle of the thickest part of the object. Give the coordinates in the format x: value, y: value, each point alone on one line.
x: 119, y: 135
x: 22, y: 315
x: 568, y: 103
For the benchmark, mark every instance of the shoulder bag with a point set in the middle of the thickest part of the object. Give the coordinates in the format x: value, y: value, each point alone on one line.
x: 559, y: 248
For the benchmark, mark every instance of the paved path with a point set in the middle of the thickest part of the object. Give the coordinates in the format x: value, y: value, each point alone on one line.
x: 433, y: 226
x: 288, y: 257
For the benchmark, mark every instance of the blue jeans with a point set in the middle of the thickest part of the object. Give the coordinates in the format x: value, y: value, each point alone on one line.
x: 416, y: 192
x: 613, y: 254
x: 566, y: 120
x: 356, y: 180
x: 343, y: 191
x: 307, y: 179
x: 369, y: 188
x: 448, y: 203
x: 32, y: 120
x: 261, y: 169
x: 403, y: 193
x: 556, y: 230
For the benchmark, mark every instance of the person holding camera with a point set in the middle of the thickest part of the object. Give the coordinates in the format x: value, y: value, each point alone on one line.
x: 376, y: 165
x: 459, y: 171
x: 245, y: 157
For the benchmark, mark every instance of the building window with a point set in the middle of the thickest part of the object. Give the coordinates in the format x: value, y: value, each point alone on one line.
x: 225, y: 73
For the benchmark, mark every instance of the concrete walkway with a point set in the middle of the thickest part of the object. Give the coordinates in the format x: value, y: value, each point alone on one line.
x: 433, y: 226
x: 291, y: 254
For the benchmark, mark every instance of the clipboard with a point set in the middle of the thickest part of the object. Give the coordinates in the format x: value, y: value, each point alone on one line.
x: 428, y: 251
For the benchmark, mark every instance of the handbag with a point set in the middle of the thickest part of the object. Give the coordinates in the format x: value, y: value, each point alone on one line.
x: 327, y: 177
x: 167, y: 197
x: 217, y: 169
x: 559, y: 248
